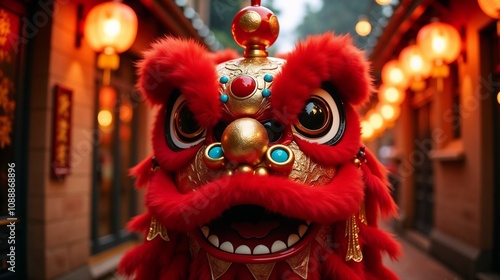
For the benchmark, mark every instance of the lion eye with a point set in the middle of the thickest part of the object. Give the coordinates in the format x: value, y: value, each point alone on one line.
x: 186, y: 125
x: 181, y: 128
x: 315, y: 118
x: 322, y: 120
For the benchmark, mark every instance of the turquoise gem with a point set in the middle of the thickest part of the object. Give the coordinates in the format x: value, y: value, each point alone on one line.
x: 266, y: 92
x: 268, y: 78
x: 279, y: 155
x: 215, y: 152
x: 224, y: 98
x: 224, y: 79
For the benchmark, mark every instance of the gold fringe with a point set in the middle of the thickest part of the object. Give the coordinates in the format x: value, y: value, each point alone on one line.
x: 362, y: 213
x: 155, y: 229
x: 353, y: 249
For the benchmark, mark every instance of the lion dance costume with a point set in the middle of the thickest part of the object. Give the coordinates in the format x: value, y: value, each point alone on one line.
x: 258, y: 170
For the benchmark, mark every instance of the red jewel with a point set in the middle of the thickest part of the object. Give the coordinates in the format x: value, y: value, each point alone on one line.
x: 243, y: 86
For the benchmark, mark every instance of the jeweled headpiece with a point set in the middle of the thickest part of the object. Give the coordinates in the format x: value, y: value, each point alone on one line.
x: 255, y: 28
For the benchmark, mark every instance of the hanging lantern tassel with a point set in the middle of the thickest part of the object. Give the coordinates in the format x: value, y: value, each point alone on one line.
x: 353, y: 248
x: 440, y: 71
x: 362, y: 213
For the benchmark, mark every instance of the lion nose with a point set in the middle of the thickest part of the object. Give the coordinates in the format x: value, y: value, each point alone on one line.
x: 245, y: 141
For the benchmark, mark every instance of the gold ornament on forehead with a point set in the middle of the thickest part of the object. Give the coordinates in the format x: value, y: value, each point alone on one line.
x: 250, y: 21
x: 246, y: 85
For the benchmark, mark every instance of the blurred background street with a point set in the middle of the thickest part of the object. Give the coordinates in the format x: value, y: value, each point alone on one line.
x: 72, y: 123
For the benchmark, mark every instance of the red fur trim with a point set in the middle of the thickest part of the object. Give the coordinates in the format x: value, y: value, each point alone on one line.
x: 376, y: 168
x: 168, y: 159
x: 200, y: 269
x: 336, y: 268
x: 183, y: 64
x: 377, y: 191
x: 321, y: 58
x: 140, y: 223
x: 379, y: 240
x: 335, y: 201
x: 372, y: 258
x: 142, y: 172
x: 341, y: 153
x: 158, y: 259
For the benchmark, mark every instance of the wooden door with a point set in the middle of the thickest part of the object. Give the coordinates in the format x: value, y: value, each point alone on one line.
x: 424, y: 179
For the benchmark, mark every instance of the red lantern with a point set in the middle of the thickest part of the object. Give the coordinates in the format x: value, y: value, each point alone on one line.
x: 111, y: 27
x: 393, y: 75
x: 441, y: 42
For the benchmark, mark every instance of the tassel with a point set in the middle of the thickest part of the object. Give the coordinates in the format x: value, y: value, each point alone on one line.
x: 362, y: 213
x: 353, y: 249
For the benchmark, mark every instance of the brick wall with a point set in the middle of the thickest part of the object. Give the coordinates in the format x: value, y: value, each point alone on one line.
x: 59, y: 211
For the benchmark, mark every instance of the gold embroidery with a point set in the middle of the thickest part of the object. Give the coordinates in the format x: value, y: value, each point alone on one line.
x: 261, y: 271
x: 300, y: 263
x: 217, y: 267
x: 362, y: 213
x: 353, y: 248
x: 155, y: 229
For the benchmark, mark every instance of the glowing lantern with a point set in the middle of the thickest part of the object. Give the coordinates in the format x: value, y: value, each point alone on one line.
x: 383, y: 2
x: 107, y: 97
x: 126, y: 112
x: 105, y: 118
x: 367, y: 131
x: 389, y: 113
x: 442, y: 46
x: 498, y: 97
x: 415, y: 66
x: 492, y: 9
x: 110, y: 28
x: 441, y: 42
x: 363, y: 27
x: 391, y: 95
x: 393, y: 75
x: 376, y: 121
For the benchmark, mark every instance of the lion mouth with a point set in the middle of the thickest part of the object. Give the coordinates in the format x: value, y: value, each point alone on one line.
x: 250, y: 230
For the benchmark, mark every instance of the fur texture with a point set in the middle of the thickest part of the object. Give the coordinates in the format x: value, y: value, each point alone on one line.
x: 174, y: 64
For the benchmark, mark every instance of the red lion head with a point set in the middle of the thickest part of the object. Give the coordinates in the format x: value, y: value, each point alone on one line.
x: 258, y: 170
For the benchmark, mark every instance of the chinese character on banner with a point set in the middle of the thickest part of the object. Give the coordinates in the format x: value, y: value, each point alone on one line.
x: 61, y: 132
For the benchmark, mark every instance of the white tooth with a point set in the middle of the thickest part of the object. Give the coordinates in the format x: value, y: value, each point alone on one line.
x: 205, y: 231
x: 292, y: 239
x: 243, y: 250
x: 278, y: 246
x: 227, y: 246
x: 261, y: 250
x: 302, y: 230
x: 214, y: 240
